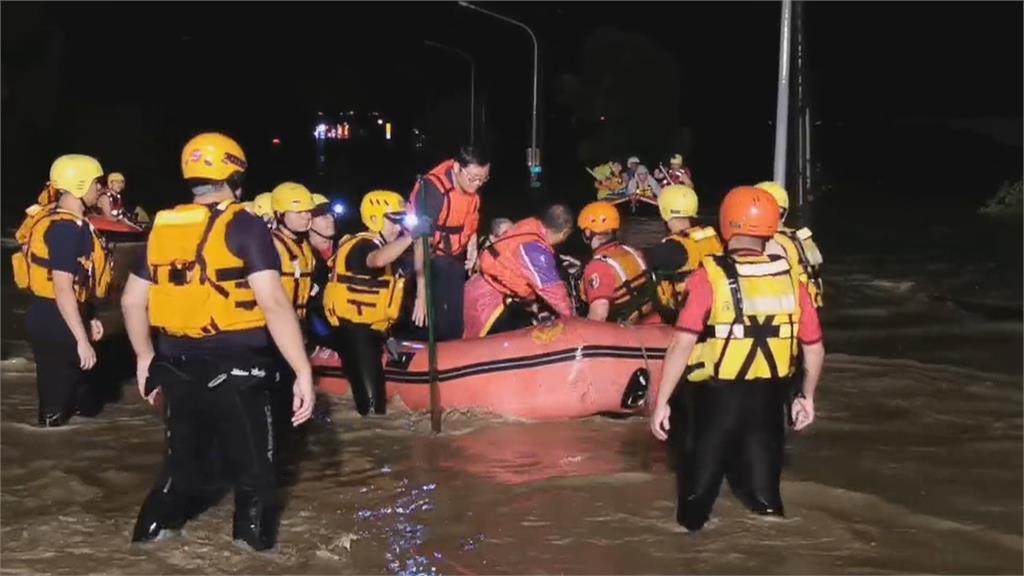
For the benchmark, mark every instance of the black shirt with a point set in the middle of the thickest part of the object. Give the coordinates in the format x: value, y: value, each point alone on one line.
x: 247, y: 238
x: 355, y: 260
x: 66, y: 242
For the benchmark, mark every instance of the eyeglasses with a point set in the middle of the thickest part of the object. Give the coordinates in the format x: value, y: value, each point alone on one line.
x: 477, y: 180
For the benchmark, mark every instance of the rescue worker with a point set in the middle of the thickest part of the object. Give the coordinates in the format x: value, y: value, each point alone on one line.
x: 680, y: 253
x: 797, y: 246
x: 65, y: 266
x: 754, y: 312
x: 616, y: 284
x: 210, y: 284
x: 518, y: 273
x: 676, y: 173
x: 263, y: 206
x: 48, y: 195
x: 363, y: 297
x: 322, y: 231
x: 642, y: 185
x: 448, y: 197
x: 110, y: 203
x: 292, y: 204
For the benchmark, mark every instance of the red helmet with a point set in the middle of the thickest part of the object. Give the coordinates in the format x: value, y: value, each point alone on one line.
x: 748, y: 211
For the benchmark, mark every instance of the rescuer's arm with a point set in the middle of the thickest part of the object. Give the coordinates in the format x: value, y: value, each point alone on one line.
x: 135, y: 308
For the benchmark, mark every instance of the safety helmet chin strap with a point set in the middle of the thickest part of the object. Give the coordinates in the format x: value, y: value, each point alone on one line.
x: 281, y: 224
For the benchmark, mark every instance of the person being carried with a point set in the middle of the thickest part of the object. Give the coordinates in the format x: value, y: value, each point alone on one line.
x: 363, y: 297
x: 754, y: 312
x: 616, y: 284
x: 680, y: 253
x: 517, y: 273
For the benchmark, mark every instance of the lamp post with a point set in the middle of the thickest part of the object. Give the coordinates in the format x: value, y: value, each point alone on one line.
x: 782, y: 98
x: 472, y: 84
x: 533, y: 160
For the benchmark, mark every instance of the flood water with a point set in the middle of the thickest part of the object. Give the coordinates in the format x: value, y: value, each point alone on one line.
x: 914, y: 465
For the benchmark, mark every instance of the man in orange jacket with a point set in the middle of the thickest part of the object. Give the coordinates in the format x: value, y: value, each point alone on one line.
x: 448, y: 197
x: 517, y: 271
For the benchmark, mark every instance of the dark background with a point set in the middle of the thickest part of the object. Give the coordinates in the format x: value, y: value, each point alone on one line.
x: 917, y: 106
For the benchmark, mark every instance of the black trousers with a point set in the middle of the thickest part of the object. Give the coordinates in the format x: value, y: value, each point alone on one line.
x: 221, y: 407
x: 448, y: 283
x: 361, y: 349
x: 60, y: 382
x: 735, y: 430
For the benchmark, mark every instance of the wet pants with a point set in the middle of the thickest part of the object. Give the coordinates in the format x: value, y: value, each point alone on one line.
x: 735, y: 431
x: 361, y: 350
x: 59, y: 380
x: 448, y: 281
x: 223, y: 400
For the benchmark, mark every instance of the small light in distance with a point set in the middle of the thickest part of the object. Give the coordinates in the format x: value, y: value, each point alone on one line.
x: 387, y: 131
x: 380, y: 121
x: 338, y: 208
x: 276, y: 141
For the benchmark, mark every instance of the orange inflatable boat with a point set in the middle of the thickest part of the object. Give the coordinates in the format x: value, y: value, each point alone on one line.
x: 566, y: 369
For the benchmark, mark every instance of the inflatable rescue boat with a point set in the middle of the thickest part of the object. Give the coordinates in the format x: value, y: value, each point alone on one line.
x: 565, y: 369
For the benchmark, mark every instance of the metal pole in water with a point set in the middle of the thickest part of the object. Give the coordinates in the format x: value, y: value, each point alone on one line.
x: 782, y: 101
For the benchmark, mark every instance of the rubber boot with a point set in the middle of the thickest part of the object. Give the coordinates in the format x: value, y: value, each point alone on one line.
x: 54, y: 420
x: 161, y: 511
x: 255, y: 521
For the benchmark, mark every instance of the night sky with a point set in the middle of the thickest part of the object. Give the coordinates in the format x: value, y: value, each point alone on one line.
x: 901, y: 91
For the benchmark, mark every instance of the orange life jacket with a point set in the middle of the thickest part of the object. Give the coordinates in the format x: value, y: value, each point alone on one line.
x: 501, y: 265
x: 634, y: 293
x: 459, y: 216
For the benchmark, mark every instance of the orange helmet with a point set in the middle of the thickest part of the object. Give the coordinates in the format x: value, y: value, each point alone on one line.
x: 748, y: 211
x: 599, y: 218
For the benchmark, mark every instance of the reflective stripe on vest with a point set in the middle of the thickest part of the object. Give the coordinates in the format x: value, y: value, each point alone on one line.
x: 755, y: 314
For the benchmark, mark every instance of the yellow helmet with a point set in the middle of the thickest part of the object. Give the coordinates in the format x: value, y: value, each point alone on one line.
x: 262, y: 205
x: 212, y: 156
x: 115, y: 177
x: 320, y: 200
x: 75, y: 173
x: 599, y: 217
x: 676, y: 160
x: 777, y: 192
x: 677, y: 201
x: 291, y: 197
x: 376, y: 205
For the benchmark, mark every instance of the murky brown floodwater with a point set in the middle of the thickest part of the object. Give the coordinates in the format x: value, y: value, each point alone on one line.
x: 915, y: 465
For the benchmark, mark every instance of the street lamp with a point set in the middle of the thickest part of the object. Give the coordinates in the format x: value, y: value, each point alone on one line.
x: 472, y: 84
x: 533, y: 159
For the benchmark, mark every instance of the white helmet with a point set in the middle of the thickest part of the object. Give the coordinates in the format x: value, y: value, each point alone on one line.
x: 632, y: 160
